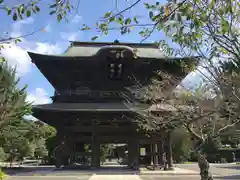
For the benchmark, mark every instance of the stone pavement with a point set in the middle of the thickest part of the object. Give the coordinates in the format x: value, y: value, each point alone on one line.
x: 176, y: 171
x: 115, y: 177
x: 50, y: 171
x: 221, y: 172
x: 113, y: 173
x: 119, y: 177
x: 106, y: 177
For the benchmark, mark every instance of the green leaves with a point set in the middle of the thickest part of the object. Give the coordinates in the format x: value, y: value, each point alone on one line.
x: 108, y: 14
x: 15, y: 17
x: 225, y: 26
x: 9, y: 11
x: 150, y: 14
x: 135, y: 20
x: 85, y: 27
x: 22, y: 10
x: 128, y: 21
x: 37, y: 8
x: 28, y: 13
x: 52, y: 12
x: 147, y: 5
x: 119, y: 20
x: 60, y: 8
x: 53, y: 5
x: 224, y: 51
x: 17, y: 40
x: 59, y: 17
x: 2, y: 59
x: 212, y: 3
x: 94, y: 38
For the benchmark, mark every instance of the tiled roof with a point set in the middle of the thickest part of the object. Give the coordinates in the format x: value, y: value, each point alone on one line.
x: 86, y: 51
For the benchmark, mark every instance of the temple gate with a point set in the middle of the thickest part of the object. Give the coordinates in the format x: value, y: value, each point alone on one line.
x: 88, y: 106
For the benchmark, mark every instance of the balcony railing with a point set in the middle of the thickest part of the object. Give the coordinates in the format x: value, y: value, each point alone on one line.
x: 89, y: 96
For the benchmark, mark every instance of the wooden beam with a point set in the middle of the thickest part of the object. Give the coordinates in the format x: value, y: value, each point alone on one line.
x: 113, y: 139
x: 103, y: 139
x: 83, y: 153
x: 101, y: 128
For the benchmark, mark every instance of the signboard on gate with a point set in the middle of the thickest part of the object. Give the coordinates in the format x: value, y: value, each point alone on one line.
x: 142, y: 151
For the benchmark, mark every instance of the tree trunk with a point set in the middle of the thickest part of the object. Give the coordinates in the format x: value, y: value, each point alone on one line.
x: 204, y: 167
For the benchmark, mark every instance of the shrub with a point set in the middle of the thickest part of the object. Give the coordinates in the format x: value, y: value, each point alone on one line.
x: 3, y: 176
x: 223, y: 160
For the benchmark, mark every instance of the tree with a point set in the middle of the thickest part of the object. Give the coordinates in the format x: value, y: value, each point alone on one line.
x: 14, y: 140
x: 20, y: 139
x: 202, y: 117
x: 181, y: 145
x: 3, y: 155
x: 40, y: 150
x: 104, y: 151
x: 12, y: 99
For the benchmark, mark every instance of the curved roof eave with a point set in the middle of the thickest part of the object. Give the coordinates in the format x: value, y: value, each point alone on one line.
x: 82, y: 107
x: 37, y: 56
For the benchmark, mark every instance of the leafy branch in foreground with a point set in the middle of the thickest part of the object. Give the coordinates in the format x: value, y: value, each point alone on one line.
x: 205, y: 116
x: 60, y: 8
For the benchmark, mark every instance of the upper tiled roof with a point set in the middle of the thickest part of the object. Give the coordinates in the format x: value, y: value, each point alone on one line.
x: 85, y: 49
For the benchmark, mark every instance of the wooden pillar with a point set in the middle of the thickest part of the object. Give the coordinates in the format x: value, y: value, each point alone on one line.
x: 57, y: 151
x: 151, y: 156
x: 130, y: 153
x: 96, y: 162
x: 161, y: 153
x: 96, y: 153
x: 155, y: 156
x: 169, y: 151
x: 134, y: 153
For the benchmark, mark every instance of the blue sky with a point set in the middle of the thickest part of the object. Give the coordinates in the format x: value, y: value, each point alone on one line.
x: 56, y: 36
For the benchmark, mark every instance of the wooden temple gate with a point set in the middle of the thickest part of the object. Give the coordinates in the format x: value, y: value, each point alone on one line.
x: 89, y: 80
x: 158, y: 152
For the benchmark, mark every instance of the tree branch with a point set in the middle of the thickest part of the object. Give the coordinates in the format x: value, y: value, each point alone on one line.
x: 163, y: 19
x: 227, y: 127
x: 22, y: 36
x: 124, y: 10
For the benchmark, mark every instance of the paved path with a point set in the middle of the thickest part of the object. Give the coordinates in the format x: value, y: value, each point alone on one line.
x: 226, y: 170
x: 115, y: 177
x: 222, y: 172
x: 120, y: 177
x: 107, y: 177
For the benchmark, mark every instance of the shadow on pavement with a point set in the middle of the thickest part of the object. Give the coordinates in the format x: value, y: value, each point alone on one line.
x: 237, y: 167
x: 100, y: 171
x: 67, y: 171
x: 24, y: 170
x: 230, y: 177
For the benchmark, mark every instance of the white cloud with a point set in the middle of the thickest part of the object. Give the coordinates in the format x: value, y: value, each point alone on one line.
x: 39, y: 96
x: 47, y: 48
x: 71, y: 36
x: 17, y: 26
x: 18, y: 58
x: 76, y: 19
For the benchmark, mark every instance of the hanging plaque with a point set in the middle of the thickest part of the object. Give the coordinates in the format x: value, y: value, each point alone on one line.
x: 142, y: 151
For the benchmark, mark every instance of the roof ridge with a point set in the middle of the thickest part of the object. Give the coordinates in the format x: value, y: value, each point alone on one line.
x: 88, y: 43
